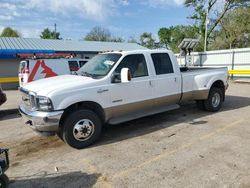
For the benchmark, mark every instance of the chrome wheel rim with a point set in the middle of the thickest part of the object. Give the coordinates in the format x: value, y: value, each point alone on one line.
x: 83, y: 129
x: 216, y: 100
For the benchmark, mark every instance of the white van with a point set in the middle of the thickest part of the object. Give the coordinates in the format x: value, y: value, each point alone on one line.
x: 35, y: 69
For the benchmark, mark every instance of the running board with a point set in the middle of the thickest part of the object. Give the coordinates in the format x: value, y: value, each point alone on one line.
x: 142, y: 113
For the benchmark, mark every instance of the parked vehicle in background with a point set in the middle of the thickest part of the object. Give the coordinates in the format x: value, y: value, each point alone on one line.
x: 116, y: 87
x: 3, y: 97
x: 35, y: 69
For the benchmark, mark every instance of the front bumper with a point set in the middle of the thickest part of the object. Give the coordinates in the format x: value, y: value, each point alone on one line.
x: 41, y: 121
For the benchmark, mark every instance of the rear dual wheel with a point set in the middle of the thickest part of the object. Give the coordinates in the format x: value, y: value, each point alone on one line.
x: 214, y: 101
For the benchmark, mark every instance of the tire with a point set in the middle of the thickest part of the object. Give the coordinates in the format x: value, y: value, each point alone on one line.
x: 214, y: 101
x: 4, y: 181
x: 81, y: 128
x: 59, y: 133
x: 200, y: 104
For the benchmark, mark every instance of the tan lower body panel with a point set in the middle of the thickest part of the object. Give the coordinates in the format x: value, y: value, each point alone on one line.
x: 200, y: 94
x: 126, y: 112
x: 138, y: 109
x: 195, y: 95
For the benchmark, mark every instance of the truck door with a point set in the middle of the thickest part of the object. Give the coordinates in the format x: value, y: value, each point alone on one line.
x: 167, y: 83
x: 135, y: 96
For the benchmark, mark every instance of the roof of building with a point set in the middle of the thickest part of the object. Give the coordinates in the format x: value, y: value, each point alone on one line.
x: 10, y: 46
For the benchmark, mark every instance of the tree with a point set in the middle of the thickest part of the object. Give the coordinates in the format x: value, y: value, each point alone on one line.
x: 215, y: 14
x: 171, y: 37
x: 9, y: 32
x: 101, y: 34
x: 47, y: 34
x: 165, y: 36
x: 234, y: 31
x: 132, y: 40
x: 116, y: 39
x: 147, y: 40
x: 98, y: 34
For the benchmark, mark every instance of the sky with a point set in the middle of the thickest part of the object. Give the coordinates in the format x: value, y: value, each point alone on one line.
x: 75, y: 18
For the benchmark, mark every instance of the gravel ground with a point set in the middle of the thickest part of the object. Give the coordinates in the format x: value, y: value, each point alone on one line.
x: 182, y: 148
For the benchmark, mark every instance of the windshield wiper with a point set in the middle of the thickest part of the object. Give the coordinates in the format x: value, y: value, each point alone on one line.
x: 86, y: 74
x: 89, y: 74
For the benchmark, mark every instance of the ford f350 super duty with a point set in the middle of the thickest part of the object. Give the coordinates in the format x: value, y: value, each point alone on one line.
x: 115, y: 87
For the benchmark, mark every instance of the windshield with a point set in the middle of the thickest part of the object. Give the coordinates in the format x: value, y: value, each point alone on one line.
x: 99, y: 66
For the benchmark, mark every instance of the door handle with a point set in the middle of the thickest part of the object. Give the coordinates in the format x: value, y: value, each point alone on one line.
x: 175, y: 79
x: 150, y: 83
x: 102, y: 90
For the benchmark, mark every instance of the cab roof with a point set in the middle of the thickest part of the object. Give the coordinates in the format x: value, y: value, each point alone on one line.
x: 138, y: 51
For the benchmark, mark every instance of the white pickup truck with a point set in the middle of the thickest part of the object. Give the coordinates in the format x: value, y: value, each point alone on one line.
x: 115, y: 87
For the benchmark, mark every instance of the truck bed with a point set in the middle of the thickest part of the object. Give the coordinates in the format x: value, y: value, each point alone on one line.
x: 203, y: 69
x: 195, y: 80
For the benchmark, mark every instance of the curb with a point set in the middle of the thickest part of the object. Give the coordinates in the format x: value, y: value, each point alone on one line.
x: 242, y: 81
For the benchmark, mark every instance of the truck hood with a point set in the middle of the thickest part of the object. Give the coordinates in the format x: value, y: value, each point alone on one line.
x: 43, y: 87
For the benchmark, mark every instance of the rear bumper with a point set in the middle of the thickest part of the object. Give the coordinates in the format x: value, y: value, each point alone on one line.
x: 41, y: 121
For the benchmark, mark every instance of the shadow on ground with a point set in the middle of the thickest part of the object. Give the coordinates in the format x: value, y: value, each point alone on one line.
x: 188, y: 113
x: 57, y: 180
x: 9, y: 114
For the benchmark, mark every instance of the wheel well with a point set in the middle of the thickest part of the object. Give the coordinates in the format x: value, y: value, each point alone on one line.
x: 90, y: 105
x: 219, y: 84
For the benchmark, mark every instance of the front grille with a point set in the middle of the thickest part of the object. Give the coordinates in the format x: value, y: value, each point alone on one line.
x: 28, y: 98
x: 32, y: 99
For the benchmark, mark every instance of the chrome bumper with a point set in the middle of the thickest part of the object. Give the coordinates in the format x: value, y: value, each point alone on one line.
x: 41, y: 121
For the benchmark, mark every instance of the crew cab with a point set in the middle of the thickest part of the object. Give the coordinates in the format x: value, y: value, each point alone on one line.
x: 115, y: 87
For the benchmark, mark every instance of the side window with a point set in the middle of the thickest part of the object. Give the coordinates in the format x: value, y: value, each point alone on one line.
x: 73, y: 65
x: 136, y: 63
x: 162, y: 63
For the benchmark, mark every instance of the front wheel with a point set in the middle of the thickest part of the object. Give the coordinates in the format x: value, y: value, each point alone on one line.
x: 81, y: 128
x: 214, y: 101
x: 4, y: 181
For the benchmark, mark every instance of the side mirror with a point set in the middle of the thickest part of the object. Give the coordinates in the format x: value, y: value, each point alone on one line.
x: 125, y: 75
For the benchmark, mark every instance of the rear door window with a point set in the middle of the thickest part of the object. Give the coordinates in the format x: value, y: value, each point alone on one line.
x: 73, y: 65
x: 162, y: 63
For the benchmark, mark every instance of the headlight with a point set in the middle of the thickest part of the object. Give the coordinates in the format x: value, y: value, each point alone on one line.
x: 44, y: 103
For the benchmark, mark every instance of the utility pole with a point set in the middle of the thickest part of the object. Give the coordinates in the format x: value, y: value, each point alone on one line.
x: 206, y: 23
x: 55, y: 32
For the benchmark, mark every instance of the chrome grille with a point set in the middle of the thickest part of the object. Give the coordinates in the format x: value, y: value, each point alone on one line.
x: 25, y: 97
x: 28, y: 98
x: 32, y: 100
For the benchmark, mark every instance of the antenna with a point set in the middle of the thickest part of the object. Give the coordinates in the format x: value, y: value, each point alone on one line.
x: 55, y: 31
